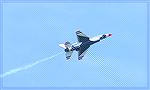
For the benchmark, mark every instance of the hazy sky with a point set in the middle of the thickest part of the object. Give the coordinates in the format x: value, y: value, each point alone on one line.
x: 32, y: 31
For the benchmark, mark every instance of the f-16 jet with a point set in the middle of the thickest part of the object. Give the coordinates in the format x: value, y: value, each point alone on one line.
x: 84, y: 42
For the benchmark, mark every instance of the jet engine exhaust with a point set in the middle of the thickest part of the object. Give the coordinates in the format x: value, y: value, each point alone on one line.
x: 26, y: 67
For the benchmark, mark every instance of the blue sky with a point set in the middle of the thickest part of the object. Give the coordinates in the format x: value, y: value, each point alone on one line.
x: 32, y: 31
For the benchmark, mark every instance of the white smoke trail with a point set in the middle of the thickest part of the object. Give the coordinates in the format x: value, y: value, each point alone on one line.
x: 13, y: 71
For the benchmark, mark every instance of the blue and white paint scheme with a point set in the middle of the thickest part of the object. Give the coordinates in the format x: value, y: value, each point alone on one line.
x: 82, y: 45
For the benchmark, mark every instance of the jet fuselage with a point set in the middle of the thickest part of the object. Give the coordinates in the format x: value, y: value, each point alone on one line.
x: 90, y: 42
x: 84, y: 42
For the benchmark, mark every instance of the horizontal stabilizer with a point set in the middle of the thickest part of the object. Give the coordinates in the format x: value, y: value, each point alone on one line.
x: 62, y: 46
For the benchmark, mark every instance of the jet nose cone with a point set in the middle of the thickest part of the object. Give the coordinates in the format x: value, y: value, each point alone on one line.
x: 109, y: 35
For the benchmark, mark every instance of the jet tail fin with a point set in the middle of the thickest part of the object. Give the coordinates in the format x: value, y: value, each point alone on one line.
x: 68, y: 54
x: 67, y: 46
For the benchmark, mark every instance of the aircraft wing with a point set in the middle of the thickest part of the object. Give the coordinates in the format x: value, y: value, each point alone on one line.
x: 82, y: 51
x: 81, y: 37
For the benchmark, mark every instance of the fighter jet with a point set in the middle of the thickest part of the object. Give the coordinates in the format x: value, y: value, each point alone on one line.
x: 82, y: 45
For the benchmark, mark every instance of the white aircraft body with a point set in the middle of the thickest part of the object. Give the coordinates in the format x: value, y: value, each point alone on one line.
x: 82, y: 45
